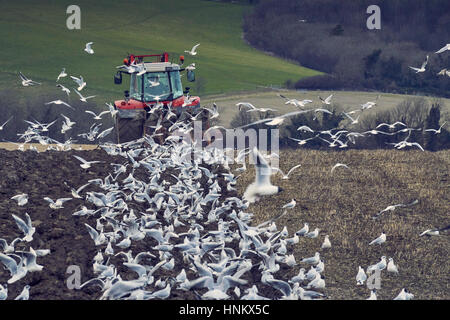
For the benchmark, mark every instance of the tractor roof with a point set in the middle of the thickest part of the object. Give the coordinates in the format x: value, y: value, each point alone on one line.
x: 161, y: 66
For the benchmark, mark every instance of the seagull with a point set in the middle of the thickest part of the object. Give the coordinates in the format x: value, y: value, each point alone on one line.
x: 381, y: 239
x: 361, y: 276
x: 8, y: 248
x: 327, y: 100
x: 368, y: 105
x: 85, y: 164
x: 64, y: 89
x: 262, y: 185
x: 82, y: 98
x: 444, y: 72
x: 62, y: 74
x: 99, y: 116
x: 445, y: 48
x: 67, y: 124
x: 433, y: 232
x: 26, y: 228
x: 286, y: 176
x: 17, y: 271
x: 337, y: 165
x: 99, y: 239
x: 354, y: 121
x: 380, y: 265
x: 25, y: 294
x: 60, y: 102
x: 313, y: 234
x: 312, y: 260
x: 301, y: 142
x: 27, y: 82
x: 80, y: 81
x: 390, y: 126
x: 404, y: 295
x: 395, y: 206
x: 391, y: 267
x: 104, y: 133
x: 22, y: 199
x: 326, y: 243
x: 295, y: 102
x: 438, y: 130
x: 88, y: 48
x: 303, y: 230
x: 290, y: 205
x: 58, y: 203
x: 3, y: 125
x: 422, y: 68
x: 3, y: 292
x: 373, y: 295
x: 192, y: 52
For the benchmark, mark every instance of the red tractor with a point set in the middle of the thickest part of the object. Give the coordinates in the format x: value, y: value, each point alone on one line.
x: 155, y: 92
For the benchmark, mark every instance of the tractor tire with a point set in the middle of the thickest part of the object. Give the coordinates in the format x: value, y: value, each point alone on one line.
x: 129, y: 129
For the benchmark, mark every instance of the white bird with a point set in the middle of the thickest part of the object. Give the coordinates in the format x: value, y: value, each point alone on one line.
x: 62, y: 74
x: 368, y: 105
x: 286, y: 176
x: 422, y: 68
x: 99, y: 239
x: 262, y: 185
x: 445, y: 48
x: 438, y: 130
x: 67, y: 124
x: 84, y: 163
x: 313, y: 234
x: 312, y: 260
x: 58, y: 204
x: 361, y: 276
x: 27, y: 82
x: 3, y: 292
x: 433, y: 232
x: 99, y: 116
x: 9, y: 248
x: 327, y: 100
x: 105, y: 132
x: 3, y: 125
x: 391, y: 267
x: 380, y: 265
x: 404, y: 295
x: 88, y: 48
x: 60, y: 102
x: 373, y: 295
x: 326, y: 243
x: 26, y: 228
x: 64, y: 89
x: 390, y: 126
x: 192, y: 52
x: 354, y: 121
x: 381, y: 239
x: 303, y: 141
x: 290, y: 205
x: 22, y: 199
x: 80, y: 81
x: 25, y: 294
x: 303, y: 230
x: 16, y: 270
x: 337, y: 165
x: 82, y: 98
x: 444, y: 72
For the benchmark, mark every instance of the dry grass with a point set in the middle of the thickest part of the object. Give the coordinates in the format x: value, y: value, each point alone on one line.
x: 342, y: 205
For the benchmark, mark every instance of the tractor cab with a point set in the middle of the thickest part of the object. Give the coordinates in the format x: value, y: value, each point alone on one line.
x: 154, y: 84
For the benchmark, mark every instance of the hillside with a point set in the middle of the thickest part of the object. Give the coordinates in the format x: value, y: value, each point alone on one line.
x: 38, y: 43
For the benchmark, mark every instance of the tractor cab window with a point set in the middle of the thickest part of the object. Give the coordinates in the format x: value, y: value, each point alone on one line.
x: 156, y: 86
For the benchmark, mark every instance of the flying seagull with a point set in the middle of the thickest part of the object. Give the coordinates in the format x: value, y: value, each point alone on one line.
x: 337, y: 165
x: 22, y: 199
x: 438, y: 130
x: 262, y: 185
x: 433, y: 232
x: 27, y: 82
x: 62, y: 74
x: 60, y: 102
x: 80, y: 81
x: 84, y: 163
x: 88, y: 48
x: 193, y: 52
x: 67, y: 91
x: 447, y: 47
x: 1, y: 127
x: 286, y: 176
x: 82, y: 98
x: 327, y: 100
x: 422, y: 68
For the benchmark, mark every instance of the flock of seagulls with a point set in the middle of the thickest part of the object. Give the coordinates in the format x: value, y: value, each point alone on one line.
x: 212, y: 233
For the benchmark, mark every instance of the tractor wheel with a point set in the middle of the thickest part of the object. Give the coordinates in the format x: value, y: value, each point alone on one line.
x: 129, y: 129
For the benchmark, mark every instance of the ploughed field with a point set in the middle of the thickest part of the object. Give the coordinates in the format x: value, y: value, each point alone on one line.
x: 341, y: 205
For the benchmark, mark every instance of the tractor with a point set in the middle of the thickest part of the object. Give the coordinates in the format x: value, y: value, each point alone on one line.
x: 155, y: 92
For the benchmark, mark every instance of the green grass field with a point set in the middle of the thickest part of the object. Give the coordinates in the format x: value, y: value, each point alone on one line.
x: 36, y: 41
